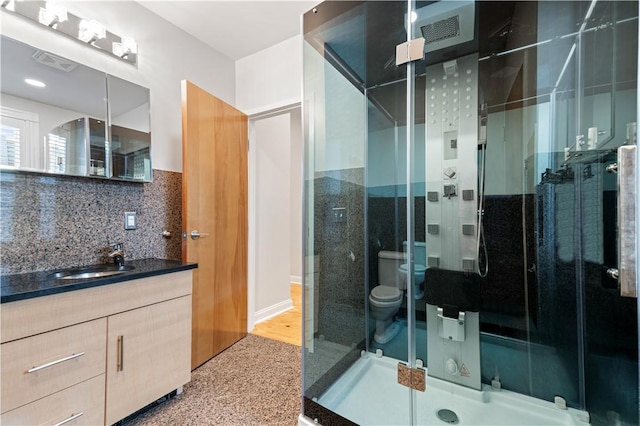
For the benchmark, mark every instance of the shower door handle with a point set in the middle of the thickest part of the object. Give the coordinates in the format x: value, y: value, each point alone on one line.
x: 627, y: 221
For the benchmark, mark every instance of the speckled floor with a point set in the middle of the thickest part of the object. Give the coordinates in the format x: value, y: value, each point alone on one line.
x: 254, y: 382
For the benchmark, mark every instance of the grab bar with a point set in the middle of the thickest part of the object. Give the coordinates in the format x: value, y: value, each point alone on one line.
x: 627, y: 221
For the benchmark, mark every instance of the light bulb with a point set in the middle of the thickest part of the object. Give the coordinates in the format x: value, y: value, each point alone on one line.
x: 91, y: 31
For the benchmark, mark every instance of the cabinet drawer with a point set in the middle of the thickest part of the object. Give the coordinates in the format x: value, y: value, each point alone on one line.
x: 40, y: 365
x: 83, y: 402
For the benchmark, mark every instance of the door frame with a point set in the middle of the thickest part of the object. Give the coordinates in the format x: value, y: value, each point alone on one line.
x: 252, y: 271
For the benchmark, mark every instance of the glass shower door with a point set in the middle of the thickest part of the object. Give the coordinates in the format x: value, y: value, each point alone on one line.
x: 603, y: 161
x: 355, y: 179
x: 519, y: 128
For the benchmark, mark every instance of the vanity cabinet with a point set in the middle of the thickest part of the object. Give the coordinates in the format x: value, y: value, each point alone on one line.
x: 96, y: 355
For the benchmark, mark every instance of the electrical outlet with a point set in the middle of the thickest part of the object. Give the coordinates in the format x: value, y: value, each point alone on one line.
x: 130, y: 220
x: 339, y: 214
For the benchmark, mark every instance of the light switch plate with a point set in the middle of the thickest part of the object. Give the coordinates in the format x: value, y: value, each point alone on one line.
x: 130, y: 220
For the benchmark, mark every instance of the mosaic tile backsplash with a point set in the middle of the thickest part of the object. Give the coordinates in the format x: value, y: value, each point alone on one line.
x: 50, y: 222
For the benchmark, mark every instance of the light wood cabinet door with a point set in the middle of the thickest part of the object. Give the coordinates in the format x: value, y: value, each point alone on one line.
x: 148, y: 355
x: 82, y: 404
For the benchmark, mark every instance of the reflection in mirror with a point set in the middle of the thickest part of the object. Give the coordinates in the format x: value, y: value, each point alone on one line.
x: 130, y: 130
x: 97, y: 148
x: 43, y: 97
x: 61, y: 117
x: 65, y: 148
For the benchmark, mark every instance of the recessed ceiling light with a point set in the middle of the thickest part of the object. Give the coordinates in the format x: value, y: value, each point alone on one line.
x: 36, y: 83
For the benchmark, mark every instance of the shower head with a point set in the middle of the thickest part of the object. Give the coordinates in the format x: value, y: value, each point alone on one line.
x: 446, y: 23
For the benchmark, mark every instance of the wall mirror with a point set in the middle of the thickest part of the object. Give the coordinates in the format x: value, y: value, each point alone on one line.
x: 61, y: 117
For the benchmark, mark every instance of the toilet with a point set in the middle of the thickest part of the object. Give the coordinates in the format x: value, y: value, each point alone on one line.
x: 419, y: 268
x: 385, y: 299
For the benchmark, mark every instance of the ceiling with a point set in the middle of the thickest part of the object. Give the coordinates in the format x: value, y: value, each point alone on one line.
x: 236, y: 28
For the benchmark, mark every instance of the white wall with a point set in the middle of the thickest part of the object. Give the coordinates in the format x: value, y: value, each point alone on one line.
x: 49, y: 116
x: 272, y: 208
x: 296, y: 196
x: 337, y: 109
x: 383, y: 173
x: 271, y: 78
x: 166, y: 55
x: 137, y: 119
x: 267, y: 81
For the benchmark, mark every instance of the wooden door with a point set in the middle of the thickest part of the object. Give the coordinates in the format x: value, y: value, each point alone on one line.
x: 214, y: 204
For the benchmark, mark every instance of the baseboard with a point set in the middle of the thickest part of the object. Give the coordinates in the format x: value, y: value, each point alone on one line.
x: 272, y: 311
x: 295, y: 279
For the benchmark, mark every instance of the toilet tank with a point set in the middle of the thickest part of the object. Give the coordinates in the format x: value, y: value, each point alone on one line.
x: 419, y: 251
x: 388, y: 265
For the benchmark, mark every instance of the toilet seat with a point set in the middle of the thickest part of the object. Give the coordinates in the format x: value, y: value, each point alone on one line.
x: 383, y: 293
x: 417, y: 268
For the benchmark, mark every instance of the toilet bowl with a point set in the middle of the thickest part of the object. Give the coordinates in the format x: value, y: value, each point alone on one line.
x: 419, y: 269
x: 386, y: 298
x: 418, y: 274
x: 384, y: 302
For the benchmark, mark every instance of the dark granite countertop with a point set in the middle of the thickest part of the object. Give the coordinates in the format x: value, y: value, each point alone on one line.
x: 44, y: 283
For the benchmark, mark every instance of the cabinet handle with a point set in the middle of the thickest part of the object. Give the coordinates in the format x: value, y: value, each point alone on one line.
x: 49, y: 364
x: 120, y: 358
x: 70, y: 419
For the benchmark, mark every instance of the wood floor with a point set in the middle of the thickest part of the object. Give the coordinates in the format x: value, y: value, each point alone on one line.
x: 286, y: 327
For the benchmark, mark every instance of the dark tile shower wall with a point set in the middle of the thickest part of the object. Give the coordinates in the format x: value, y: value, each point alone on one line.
x: 504, y: 293
x: 50, y: 222
x: 340, y: 244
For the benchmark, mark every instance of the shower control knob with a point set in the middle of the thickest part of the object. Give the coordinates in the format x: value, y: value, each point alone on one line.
x: 452, y: 367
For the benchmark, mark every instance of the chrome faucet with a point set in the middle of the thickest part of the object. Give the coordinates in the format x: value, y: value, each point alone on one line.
x: 117, y: 253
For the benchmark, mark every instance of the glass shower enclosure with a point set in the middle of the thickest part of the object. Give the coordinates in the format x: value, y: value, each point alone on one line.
x: 470, y: 210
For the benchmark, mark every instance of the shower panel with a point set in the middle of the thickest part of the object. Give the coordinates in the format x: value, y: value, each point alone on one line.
x: 452, y: 293
x: 452, y: 164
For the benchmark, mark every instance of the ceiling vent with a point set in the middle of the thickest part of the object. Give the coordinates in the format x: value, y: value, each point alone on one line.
x: 53, y: 61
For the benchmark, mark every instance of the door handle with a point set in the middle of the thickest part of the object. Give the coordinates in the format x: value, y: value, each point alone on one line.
x: 627, y: 221
x: 195, y: 235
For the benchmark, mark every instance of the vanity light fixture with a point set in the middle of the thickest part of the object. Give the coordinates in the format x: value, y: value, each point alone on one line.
x: 126, y: 47
x: 90, y: 31
x: 52, y: 14
x: 35, y: 83
x: 56, y: 17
